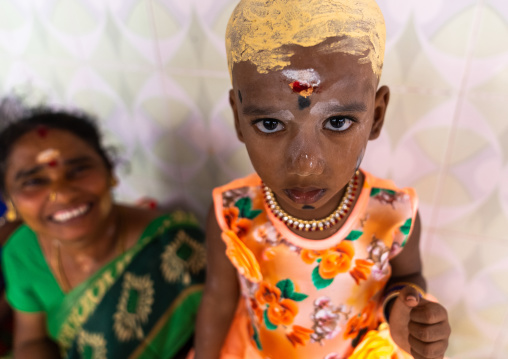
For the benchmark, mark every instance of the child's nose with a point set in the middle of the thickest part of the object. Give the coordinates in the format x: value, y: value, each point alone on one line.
x: 305, y: 159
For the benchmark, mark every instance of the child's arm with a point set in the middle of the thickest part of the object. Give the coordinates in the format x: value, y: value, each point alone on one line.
x: 220, y: 297
x: 418, y: 326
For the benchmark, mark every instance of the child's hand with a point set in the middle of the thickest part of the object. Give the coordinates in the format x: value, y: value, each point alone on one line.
x: 418, y: 326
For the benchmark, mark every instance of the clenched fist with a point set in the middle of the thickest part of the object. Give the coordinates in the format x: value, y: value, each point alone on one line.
x: 418, y: 326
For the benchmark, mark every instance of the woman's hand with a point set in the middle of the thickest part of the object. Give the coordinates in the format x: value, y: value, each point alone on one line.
x: 418, y: 326
x: 31, y: 339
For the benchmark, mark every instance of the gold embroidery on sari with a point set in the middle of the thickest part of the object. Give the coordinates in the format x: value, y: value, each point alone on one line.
x: 182, y: 217
x: 164, y: 318
x: 182, y: 256
x: 86, y: 305
x: 134, y: 307
x: 92, y: 345
x: 96, y: 291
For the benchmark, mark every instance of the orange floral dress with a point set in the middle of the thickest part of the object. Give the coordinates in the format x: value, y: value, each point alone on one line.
x: 306, y: 299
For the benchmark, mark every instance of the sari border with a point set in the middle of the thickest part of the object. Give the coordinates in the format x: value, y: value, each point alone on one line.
x: 98, y: 287
x: 163, y: 319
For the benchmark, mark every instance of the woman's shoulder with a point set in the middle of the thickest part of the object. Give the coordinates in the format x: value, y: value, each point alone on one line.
x: 20, y: 238
x: 22, y: 248
x: 139, y: 217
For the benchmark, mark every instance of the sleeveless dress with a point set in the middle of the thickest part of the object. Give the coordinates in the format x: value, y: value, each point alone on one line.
x: 306, y: 299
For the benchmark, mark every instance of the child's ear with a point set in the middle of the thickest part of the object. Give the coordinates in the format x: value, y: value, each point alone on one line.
x: 381, y: 103
x: 232, y: 102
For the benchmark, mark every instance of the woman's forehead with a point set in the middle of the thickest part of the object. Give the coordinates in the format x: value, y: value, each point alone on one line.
x: 46, y: 145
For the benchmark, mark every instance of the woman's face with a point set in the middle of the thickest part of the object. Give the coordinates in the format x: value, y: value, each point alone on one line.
x: 59, y: 185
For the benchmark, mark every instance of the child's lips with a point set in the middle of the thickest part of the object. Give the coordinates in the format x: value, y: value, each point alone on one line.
x: 307, y: 195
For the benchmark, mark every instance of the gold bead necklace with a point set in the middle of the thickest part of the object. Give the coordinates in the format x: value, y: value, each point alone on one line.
x: 314, y: 224
x: 63, y: 279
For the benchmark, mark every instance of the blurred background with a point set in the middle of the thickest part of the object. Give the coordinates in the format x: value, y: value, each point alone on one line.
x: 154, y: 73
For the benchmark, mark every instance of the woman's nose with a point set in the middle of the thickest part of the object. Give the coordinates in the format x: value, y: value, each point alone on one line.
x: 61, y: 191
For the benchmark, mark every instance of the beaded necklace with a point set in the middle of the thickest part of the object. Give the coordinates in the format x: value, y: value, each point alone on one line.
x: 314, y: 224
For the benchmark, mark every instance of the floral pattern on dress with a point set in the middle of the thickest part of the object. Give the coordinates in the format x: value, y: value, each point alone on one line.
x: 276, y: 305
x: 336, y: 260
x: 360, y: 324
x: 239, y: 221
x: 405, y: 229
x: 229, y: 198
x: 376, y: 344
x: 267, y: 234
x: 239, y: 217
x: 280, y: 309
x: 361, y: 270
x: 279, y: 302
x: 241, y: 257
x: 379, y: 254
x: 240, y: 226
x: 299, y: 335
x: 387, y: 196
x: 328, y: 319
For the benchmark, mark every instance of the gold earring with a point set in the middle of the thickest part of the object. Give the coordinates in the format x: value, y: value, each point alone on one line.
x: 114, y: 181
x: 11, y: 215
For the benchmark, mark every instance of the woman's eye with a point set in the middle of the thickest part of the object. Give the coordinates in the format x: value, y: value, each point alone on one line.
x: 269, y: 125
x: 33, y: 182
x: 338, y: 123
x: 76, y: 171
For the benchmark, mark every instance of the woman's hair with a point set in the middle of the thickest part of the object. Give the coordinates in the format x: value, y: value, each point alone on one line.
x: 16, y: 120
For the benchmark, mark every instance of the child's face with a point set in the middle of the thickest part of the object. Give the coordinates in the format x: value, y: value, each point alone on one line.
x: 306, y: 127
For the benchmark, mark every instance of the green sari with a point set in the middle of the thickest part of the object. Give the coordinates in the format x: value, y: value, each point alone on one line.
x: 143, y: 304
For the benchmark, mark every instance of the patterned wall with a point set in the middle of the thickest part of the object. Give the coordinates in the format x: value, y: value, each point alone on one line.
x: 155, y: 73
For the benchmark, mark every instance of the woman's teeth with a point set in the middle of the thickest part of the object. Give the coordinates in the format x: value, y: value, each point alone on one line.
x: 63, y: 216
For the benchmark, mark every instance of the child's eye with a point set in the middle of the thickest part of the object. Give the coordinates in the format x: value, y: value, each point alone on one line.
x: 269, y: 125
x: 338, y: 123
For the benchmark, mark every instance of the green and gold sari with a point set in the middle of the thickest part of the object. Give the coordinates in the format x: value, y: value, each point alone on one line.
x: 141, y: 305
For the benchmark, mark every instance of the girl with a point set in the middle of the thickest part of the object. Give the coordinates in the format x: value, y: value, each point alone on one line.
x: 310, y: 256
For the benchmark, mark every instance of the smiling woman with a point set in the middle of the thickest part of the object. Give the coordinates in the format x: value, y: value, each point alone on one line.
x: 85, y: 274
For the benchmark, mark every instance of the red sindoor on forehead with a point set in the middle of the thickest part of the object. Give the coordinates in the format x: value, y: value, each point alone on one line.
x: 42, y: 131
x: 298, y: 86
x: 302, y: 88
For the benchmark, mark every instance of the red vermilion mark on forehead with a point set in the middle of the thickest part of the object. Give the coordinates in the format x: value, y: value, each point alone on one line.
x: 53, y: 163
x: 297, y: 86
x: 302, y: 88
x: 42, y: 131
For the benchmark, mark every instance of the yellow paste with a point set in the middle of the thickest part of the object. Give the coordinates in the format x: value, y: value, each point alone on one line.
x: 258, y: 30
